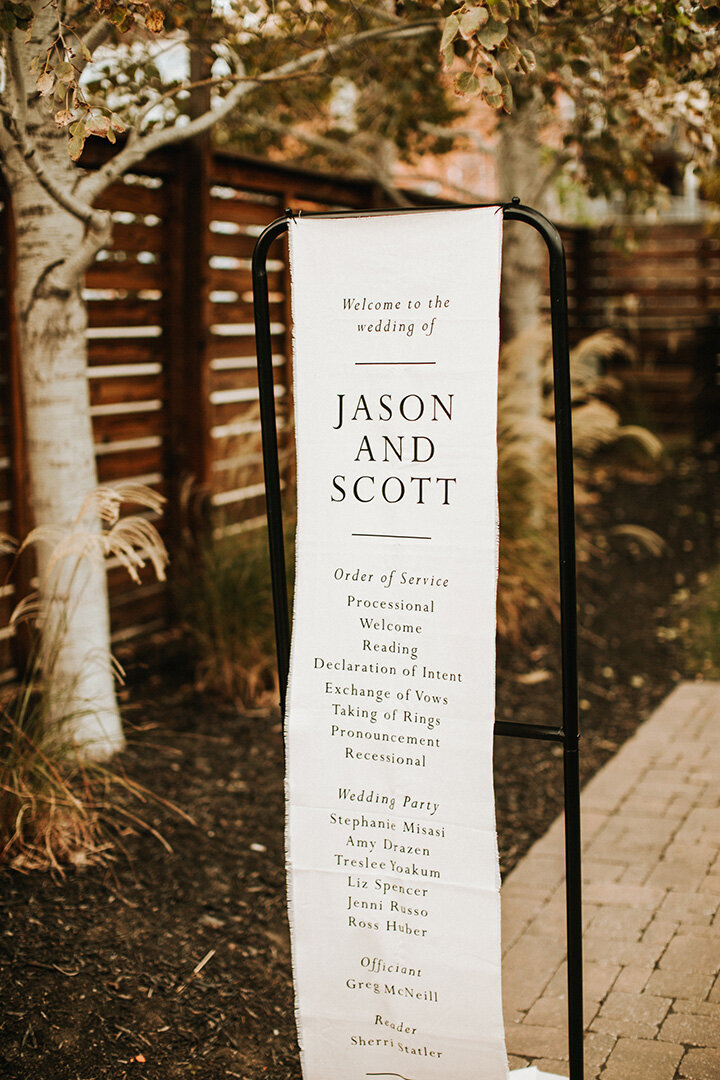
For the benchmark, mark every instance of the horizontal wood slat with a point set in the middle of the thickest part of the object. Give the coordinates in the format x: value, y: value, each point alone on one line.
x: 125, y: 312
x: 128, y: 274
x: 137, y: 237
x: 110, y: 391
x: 240, y: 212
x: 123, y: 350
x: 133, y: 199
x: 130, y: 463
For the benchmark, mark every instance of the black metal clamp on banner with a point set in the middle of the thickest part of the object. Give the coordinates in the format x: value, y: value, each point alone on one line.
x: 567, y: 735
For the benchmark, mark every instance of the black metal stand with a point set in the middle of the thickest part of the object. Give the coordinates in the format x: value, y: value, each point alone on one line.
x: 568, y: 733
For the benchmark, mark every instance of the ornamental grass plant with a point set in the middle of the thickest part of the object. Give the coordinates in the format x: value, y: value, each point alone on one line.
x: 528, y: 574
x: 57, y: 804
x: 57, y: 807
x: 222, y: 586
x: 224, y: 598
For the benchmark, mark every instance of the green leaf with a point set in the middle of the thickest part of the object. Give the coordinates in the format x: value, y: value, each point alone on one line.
x: 451, y: 31
x: 112, y: 137
x: 467, y: 84
x: 472, y: 20
x: 98, y: 125
x: 65, y: 72
x: 512, y: 55
x: 493, y: 34
x: 75, y: 147
x: 21, y: 14
x: 502, y: 10
x: 527, y: 61
x: 45, y: 84
x: 495, y: 101
x: 491, y: 86
x: 7, y: 20
x: 507, y: 96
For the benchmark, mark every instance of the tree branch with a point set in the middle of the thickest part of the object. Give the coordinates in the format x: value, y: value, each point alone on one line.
x: 466, y: 133
x: 9, y: 151
x: 16, y: 78
x: 220, y: 80
x: 466, y: 194
x: 544, y: 182
x: 97, y: 236
x: 377, y: 12
x: 31, y: 156
x: 339, y: 150
x: 139, y: 147
x: 97, y: 35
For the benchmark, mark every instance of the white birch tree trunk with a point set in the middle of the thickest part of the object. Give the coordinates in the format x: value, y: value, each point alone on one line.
x: 61, y: 459
x: 52, y: 321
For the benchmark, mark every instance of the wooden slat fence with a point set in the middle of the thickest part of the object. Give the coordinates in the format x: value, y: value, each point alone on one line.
x: 659, y: 287
x: 171, y: 348
x: 171, y: 353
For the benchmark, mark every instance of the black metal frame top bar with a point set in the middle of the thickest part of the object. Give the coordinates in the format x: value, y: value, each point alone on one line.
x: 568, y: 733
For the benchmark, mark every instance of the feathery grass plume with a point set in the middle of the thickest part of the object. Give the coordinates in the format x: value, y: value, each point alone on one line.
x: 526, y: 460
x: 97, y: 533
x: 133, y: 540
x: 55, y: 805
x: 641, y: 539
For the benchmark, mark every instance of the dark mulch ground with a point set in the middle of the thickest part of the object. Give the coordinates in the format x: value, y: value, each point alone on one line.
x: 177, y: 965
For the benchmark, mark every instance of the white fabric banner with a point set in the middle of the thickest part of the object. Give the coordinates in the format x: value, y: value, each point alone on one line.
x: 392, y: 852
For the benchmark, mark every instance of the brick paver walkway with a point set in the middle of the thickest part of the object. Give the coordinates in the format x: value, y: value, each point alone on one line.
x: 651, y: 838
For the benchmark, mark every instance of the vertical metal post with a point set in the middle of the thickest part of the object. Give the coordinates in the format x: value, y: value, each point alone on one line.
x: 271, y: 464
x: 568, y: 623
x: 568, y: 735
